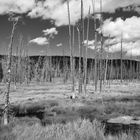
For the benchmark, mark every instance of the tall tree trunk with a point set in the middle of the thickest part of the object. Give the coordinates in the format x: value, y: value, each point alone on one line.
x: 86, y: 47
x: 106, y: 64
x: 73, y: 59
x: 79, y: 68
x: 46, y: 64
x: 70, y: 44
x: 16, y: 68
x: 101, y: 51
x: 106, y: 68
x: 121, y: 61
x: 111, y: 69
x: 80, y: 50
x: 27, y: 64
x: 6, y: 111
x: 96, y: 55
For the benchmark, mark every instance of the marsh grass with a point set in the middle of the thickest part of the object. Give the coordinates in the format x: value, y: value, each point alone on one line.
x: 64, y: 124
x: 76, y: 130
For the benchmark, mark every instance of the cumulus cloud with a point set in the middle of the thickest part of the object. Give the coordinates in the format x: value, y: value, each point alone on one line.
x: 133, y: 52
x: 40, y: 41
x: 111, y: 5
x: 134, y: 49
x: 112, y: 41
x: 16, y: 6
x: 57, y: 9
x: 129, y: 29
x: 89, y: 42
x: 59, y: 45
x: 50, y: 32
x: 130, y: 48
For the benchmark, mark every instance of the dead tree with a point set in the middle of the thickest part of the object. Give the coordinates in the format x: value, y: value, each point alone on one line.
x: 16, y: 67
x: 8, y: 77
x: 80, y: 49
x: 95, y: 44
x: 70, y: 44
x: 80, y: 44
x: 73, y: 58
x: 101, y: 51
x: 86, y: 47
x: 50, y: 65
x: 121, y: 60
x: 27, y: 60
x: 106, y: 64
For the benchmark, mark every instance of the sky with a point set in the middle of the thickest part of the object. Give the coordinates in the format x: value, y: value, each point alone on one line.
x: 43, y: 26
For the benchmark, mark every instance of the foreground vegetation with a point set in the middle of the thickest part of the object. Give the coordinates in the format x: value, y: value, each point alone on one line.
x: 77, y: 130
x: 57, y: 118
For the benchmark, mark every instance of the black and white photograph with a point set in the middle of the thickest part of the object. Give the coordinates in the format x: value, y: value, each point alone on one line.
x: 69, y: 69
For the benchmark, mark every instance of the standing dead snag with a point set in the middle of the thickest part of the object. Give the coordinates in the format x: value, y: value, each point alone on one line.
x: 101, y: 51
x: 85, y: 79
x: 73, y: 57
x: 106, y: 64
x: 95, y: 44
x: 80, y: 34
x: 70, y: 44
x: 8, y: 77
x: 121, y: 59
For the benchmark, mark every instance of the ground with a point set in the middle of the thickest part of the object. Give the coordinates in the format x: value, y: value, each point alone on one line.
x: 51, y: 103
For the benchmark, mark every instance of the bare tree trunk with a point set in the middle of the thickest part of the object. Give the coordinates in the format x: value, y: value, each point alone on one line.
x: 85, y: 79
x: 50, y: 68
x: 73, y: 59
x: 79, y: 70
x: 46, y: 64
x: 27, y: 65
x: 70, y: 44
x: 20, y: 60
x: 64, y: 64
x: 101, y: 51
x: 95, y: 38
x: 6, y: 111
x: 137, y: 69
x: 106, y: 68
x: 16, y: 68
x: 106, y: 65
x: 80, y: 50
x: 121, y: 61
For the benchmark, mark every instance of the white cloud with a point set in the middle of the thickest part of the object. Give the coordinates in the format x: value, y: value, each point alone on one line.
x: 57, y: 9
x: 50, y: 32
x: 130, y: 48
x: 134, y: 49
x: 40, y: 41
x: 129, y: 29
x: 16, y: 6
x: 111, y: 5
x: 59, y: 45
x: 90, y: 42
x: 133, y: 52
x: 91, y: 45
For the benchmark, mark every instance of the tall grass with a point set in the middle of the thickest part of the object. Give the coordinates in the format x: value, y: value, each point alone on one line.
x: 78, y: 130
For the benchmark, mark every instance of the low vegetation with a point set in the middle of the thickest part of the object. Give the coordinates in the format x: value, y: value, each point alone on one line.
x: 76, y: 130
